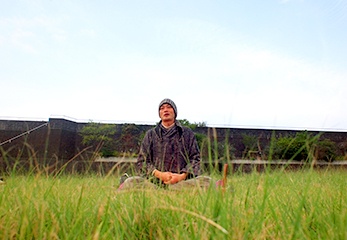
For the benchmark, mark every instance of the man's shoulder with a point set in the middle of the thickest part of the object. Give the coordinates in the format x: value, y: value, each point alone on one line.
x: 187, y: 130
x: 152, y: 132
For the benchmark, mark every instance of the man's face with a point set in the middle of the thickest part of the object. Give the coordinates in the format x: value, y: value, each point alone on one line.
x: 166, y: 113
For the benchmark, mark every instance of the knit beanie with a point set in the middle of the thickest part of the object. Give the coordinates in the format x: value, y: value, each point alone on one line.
x: 169, y: 101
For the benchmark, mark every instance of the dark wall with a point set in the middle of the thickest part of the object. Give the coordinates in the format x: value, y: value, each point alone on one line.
x: 30, y: 143
x: 235, y: 136
x: 60, y: 138
x: 55, y: 139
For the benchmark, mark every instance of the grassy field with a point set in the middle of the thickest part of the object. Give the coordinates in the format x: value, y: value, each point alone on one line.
x: 278, y: 205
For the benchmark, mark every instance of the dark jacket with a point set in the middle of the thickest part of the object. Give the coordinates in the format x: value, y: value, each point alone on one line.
x: 174, y: 150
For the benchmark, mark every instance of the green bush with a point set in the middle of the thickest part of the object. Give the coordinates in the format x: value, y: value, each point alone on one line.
x: 107, y: 138
x: 100, y: 137
x: 326, y: 150
x: 304, y: 146
x: 296, y: 148
x: 186, y: 123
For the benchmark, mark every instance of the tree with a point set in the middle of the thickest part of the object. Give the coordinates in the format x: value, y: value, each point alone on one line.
x: 100, y: 136
x: 130, y: 138
x: 186, y: 123
x: 301, y: 147
x: 326, y: 150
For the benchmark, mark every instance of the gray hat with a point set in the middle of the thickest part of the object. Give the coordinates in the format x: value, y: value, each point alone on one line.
x: 169, y: 101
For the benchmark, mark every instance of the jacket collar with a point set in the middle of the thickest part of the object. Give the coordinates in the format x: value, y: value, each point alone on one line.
x: 158, y: 130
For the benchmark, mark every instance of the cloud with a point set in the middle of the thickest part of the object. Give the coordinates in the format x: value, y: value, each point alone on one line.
x: 335, y: 10
x: 2, y: 40
x: 247, y: 86
x: 29, y: 33
x: 213, y: 74
x: 22, y: 39
x: 88, y: 32
x: 59, y: 36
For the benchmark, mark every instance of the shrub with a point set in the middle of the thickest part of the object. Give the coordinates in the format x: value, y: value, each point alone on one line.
x: 100, y: 136
x: 186, y: 123
x: 326, y: 150
x: 296, y: 148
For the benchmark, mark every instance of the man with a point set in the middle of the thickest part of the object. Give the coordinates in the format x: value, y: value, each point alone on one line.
x: 169, y: 154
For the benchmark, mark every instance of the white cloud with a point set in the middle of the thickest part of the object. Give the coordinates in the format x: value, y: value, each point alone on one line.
x: 22, y: 39
x: 2, y: 40
x: 29, y: 33
x: 212, y: 73
x: 88, y: 32
x: 59, y: 36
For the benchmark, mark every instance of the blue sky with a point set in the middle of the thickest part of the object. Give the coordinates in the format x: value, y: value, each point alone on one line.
x: 264, y: 64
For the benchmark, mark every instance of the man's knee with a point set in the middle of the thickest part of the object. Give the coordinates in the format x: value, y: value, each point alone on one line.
x: 137, y: 182
x: 198, y: 182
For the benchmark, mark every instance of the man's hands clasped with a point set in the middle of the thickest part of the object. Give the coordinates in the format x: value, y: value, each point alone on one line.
x: 169, y: 178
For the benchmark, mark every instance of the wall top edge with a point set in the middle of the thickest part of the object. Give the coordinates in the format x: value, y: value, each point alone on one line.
x: 216, y: 126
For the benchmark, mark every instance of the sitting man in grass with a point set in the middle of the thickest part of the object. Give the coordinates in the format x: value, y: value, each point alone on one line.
x: 169, y: 155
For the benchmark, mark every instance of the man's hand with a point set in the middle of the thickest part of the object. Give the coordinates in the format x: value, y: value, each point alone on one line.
x: 164, y: 176
x: 175, y: 178
x: 168, y: 177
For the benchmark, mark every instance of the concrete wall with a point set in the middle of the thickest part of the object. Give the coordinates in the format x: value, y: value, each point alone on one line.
x: 59, y: 141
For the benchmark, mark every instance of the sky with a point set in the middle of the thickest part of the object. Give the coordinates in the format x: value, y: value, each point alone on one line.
x: 278, y: 64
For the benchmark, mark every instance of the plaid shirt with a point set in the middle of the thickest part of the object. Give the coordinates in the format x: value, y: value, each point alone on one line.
x: 170, y: 150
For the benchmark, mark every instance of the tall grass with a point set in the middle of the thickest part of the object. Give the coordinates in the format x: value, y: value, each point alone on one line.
x: 278, y: 205
x: 303, y: 204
